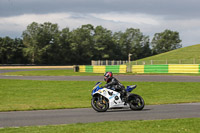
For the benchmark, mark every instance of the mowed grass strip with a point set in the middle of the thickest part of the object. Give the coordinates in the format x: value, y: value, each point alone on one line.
x: 31, y: 95
x: 189, y: 125
x: 34, y: 95
x: 67, y: 72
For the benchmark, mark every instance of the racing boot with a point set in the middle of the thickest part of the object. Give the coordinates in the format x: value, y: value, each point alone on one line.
x: 124, y: 95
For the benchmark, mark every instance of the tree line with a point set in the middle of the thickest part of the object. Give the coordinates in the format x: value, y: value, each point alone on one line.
x: 46, y: 44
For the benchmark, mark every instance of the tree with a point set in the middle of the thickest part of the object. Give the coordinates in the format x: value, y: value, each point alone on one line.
x: 17, y: 52
x: 5, y: 49
x: 133, y: 41
x: 103, y: 44
x: 64, y: 46
x: 41, y: 41
x: 165, y: 41
x: 81, y: 44
x: 49, y: 44
x: 30, y: 40
x: 46, y: 44
x: 11, y: 51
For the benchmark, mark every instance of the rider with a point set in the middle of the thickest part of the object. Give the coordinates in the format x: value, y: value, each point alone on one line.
x: 114, y: 84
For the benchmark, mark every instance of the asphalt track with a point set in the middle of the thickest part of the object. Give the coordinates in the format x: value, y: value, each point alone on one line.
x: 136, y: 78
x: 87, y: 115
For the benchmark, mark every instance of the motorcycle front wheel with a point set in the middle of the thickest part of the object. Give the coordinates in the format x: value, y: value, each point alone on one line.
x: 136, y: 102
x: 99, y: 104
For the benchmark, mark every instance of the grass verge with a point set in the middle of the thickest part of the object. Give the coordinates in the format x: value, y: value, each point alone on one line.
x: 189, y: 125
x: 67, y: 72
x: 34, y: 95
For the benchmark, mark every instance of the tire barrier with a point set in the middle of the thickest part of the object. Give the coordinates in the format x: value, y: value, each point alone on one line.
x: 103, y: 69
x: 170, y: 68
x: 193, y: 68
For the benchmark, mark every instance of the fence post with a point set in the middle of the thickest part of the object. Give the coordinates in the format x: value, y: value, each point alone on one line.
x: 93, y: 63
x: 151, y: 62
x: 166, y: 61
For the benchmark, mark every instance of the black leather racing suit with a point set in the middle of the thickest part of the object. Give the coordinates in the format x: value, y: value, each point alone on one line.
x: 114, y: 84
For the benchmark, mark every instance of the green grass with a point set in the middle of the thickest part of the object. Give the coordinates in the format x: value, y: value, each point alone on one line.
x: 188, y: 125
x: 186, y: 54
x: 67, y: 72
x: 72, y: 73
x: 34, y: 95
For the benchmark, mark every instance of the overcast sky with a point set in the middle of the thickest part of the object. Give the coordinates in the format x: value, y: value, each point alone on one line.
x: 150, y: 16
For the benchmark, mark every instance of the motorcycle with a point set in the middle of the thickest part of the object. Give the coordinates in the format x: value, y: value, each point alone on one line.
x: 104, y: 99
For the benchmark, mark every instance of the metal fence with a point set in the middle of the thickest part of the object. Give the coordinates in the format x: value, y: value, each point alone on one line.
x: 108, y: 62
x: 172, y: 61
x: 143, y: 62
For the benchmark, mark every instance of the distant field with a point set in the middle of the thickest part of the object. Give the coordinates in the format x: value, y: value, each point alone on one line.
x: 34, y: 95
x: 186, y: 55
x: 188, y: 125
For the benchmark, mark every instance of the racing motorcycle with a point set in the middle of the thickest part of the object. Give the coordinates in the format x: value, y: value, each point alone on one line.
x: 104, y: 99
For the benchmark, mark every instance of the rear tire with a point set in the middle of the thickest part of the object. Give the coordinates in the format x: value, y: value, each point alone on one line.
x: 136, y: 102
x: 98, y: 105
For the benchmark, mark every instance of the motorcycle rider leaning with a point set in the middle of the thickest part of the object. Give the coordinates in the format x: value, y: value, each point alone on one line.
x: 114, y: 84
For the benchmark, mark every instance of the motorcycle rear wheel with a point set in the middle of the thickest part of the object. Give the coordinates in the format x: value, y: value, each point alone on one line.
x: 136, y: 102
x: 99, y: 106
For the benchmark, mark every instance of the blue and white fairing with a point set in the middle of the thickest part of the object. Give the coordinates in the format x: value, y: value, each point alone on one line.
x: 130, y: 88
x: 96, y: 88
x: 112, y: 96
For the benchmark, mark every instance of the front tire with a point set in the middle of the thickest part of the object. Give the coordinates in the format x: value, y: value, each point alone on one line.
x: 99, y: 103
x: 136, y: 102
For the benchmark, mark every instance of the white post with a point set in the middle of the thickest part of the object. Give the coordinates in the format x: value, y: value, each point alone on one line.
x: 129, y: 57
x: 129, y: 61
